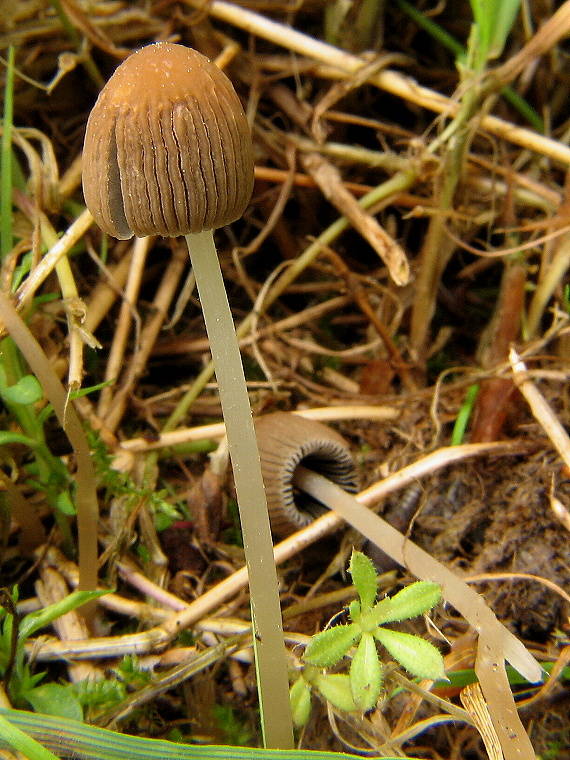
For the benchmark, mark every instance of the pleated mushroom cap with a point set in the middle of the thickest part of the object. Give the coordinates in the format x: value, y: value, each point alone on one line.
x: 287, y: 441
x: 168, y: 148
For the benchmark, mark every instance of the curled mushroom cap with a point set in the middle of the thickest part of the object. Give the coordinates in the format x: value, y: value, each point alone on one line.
x: 287, y: 441
x: 167, y: 148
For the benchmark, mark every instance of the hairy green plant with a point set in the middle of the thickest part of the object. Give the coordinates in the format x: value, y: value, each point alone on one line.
x: 118, y: 484
x: 360, y: 688
x: 234, y: 727
x: 99, y: 696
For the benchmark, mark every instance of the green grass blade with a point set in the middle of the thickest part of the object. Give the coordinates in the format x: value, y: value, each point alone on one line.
x: 494, y: 22
x: 6, y: 238
x: 433, y: 29
x: 17, y: 739
x: 460, y: 678
x: 464, y: 415
x: 70, y: 738
x: 46, y: 615
x: 454, y: 46
x: 524, y: 108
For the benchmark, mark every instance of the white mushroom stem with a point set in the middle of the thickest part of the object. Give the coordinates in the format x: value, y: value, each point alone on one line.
x: 270, y: 655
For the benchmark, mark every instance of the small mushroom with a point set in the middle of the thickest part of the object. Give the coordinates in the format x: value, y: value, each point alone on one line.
x: 167, y: 147
x: 288, y: 441
x: 168, y: 152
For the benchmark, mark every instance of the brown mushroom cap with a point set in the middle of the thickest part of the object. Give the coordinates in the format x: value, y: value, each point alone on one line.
x: 287, y: 441
x: 167, y: 148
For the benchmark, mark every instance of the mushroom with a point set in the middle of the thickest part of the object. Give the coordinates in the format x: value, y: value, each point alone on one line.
x: 167, y: 148
x: 288, y: 442
x: 168, y: 152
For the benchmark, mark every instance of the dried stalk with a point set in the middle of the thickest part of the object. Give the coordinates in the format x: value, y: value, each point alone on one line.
x: 390, y: 81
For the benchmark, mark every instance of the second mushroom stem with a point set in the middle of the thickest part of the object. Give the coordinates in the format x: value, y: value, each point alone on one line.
x: 270, y: 655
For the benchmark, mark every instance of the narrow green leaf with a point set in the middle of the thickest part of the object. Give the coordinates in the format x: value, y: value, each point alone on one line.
x: 48, y: 410
x: 65, y: 505
x: 449, y: 42
x: 411, y: 601
x: 366, y: 674
x: 416, y: 655
x: 328, y: 647
x: 336, y: 689
x: 364, y: 577
x: 20, y: 741
x: 334, y: 19
x: 507, y: 11
x: 6, y: 236
x: 23, y: 267
x: 36, y: 620
x: 494, y: 22
x: 300, y: 697
x: 7, y: 438
x: 464, y: 415
x: 433, y: 29
x: 79, y: 740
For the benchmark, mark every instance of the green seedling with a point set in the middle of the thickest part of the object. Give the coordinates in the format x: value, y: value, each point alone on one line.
x: 20, y: 392
x: 120, y: 485
x: 98, y: 697
x: 464, y: 415
x: 22, y: 685
x: 507, y: 15
x: 361, y: 687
